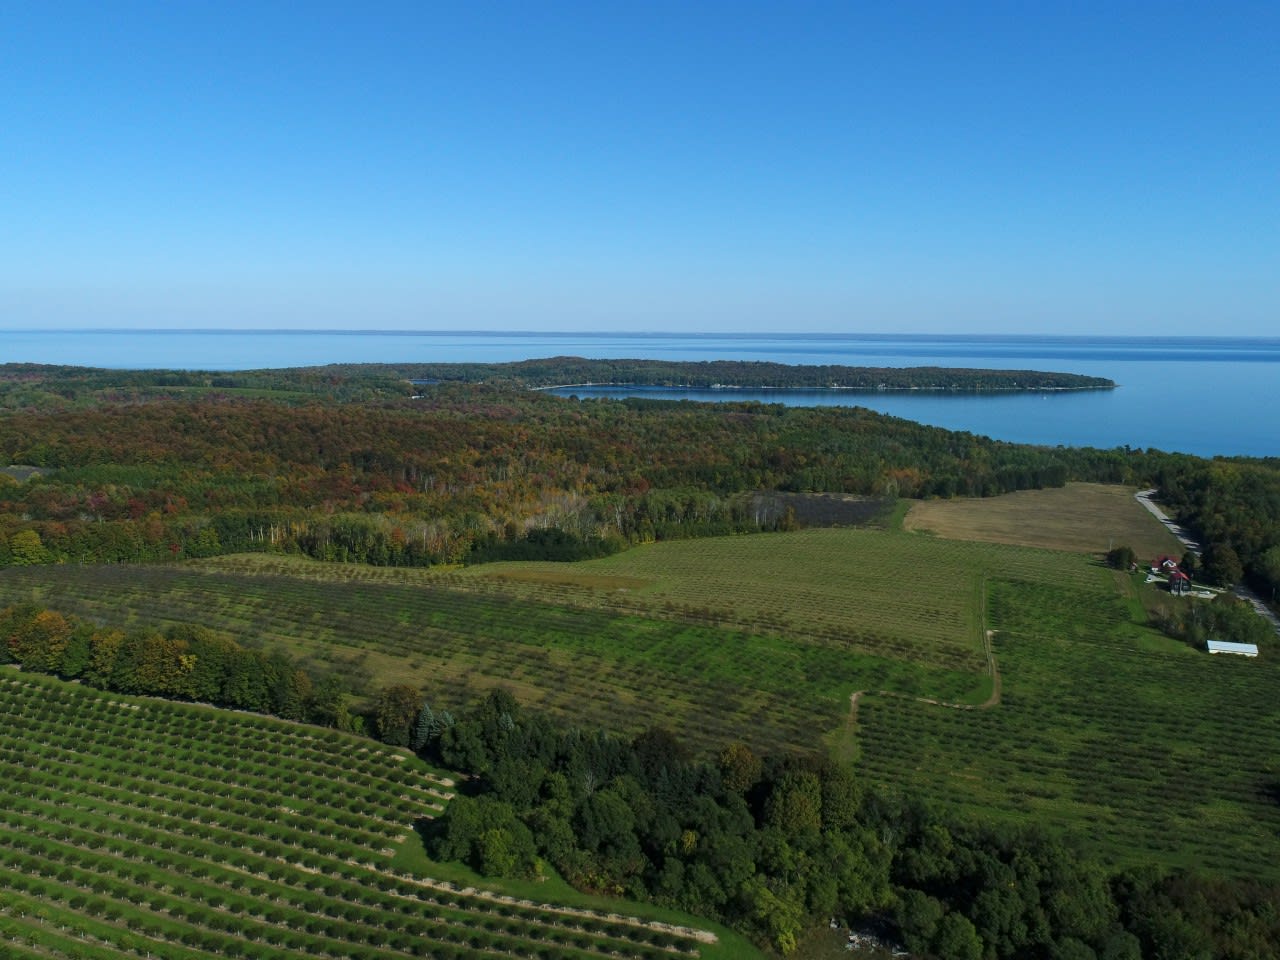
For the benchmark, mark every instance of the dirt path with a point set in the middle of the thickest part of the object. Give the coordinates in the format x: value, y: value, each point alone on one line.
x: 1144, y: 498
x: 851, y: 721
x: 993, y: 671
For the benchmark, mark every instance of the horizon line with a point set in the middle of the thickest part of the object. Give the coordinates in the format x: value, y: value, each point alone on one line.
x: 598, y: 334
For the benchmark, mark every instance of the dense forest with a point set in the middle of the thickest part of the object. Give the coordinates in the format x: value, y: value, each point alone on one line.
x: 463, y: 468
x: 47, y: 387
x: 338, y: 466
x: 771, y: 845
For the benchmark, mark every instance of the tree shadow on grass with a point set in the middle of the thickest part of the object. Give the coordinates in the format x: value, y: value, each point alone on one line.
x: 1269, y: 792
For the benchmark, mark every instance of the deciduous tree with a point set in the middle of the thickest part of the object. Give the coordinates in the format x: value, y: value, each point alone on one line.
x: 395, y: 711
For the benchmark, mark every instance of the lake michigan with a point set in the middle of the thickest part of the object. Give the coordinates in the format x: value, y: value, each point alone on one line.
x: 1203, y: 395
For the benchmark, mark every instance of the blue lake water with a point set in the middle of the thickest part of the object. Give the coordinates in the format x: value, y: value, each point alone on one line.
x: 1202, y: 395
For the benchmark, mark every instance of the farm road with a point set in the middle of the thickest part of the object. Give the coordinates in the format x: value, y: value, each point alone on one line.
x: 1144, y: 498
x: 1243, y: 592
x: 987, y: 704
x: 993, y: 670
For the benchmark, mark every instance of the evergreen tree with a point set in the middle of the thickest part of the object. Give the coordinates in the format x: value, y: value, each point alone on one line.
x: 424, y: 729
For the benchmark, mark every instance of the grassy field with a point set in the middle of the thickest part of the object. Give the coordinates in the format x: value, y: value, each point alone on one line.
x: 1154, y: 751
x: 133, y: 827
x: 759, y: 638
x: 1080, y: 517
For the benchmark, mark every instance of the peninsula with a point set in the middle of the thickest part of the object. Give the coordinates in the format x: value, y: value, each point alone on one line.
x: 752, y: 374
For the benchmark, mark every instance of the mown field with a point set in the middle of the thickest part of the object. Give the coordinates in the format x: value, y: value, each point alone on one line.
x: 141, y: 828
x: 1079, y: 517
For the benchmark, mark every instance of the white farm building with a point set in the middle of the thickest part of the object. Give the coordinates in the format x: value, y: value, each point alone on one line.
x: 1243, y: 649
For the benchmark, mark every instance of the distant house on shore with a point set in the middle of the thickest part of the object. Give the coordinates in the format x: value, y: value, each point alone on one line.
x: 1164, y: 564
x: 1241, y: 649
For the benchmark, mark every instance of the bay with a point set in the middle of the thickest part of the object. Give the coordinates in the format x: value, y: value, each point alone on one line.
x: 1203, y: 395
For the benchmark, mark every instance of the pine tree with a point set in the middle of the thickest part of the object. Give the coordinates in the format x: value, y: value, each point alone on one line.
x: 424, y: 729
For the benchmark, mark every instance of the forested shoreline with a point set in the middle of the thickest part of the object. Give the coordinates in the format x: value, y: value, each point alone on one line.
x: 730, y: 374
x: 464, y: 470
x: 27, y: 385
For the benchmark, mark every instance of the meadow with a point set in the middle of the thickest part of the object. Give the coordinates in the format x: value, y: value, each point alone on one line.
x: 135, y: 827
x: 1078, y: 517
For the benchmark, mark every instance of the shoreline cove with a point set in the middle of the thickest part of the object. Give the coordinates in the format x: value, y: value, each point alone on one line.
x: 1195, y: 395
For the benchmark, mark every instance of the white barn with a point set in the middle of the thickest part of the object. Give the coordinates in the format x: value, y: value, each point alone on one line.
x: 1243, y: 649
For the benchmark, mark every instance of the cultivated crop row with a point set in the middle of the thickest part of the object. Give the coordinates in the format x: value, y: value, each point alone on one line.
x: 141, y: 828
x: 718, y: 682
x: 1155, y: 750
x: 760, y: 638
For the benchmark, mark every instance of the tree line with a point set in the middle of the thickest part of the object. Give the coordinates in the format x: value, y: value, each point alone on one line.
x: 1233, y: 506
x: 182, y: 662
x: 569, y: 371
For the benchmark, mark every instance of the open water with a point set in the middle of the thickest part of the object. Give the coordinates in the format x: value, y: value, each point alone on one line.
x: 1202, y: 395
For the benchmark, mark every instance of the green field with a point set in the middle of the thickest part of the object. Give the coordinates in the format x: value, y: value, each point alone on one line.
x: 1153, y: 750
x: 134, y: 827
x: 758, y: 638
x: 1103, y: 727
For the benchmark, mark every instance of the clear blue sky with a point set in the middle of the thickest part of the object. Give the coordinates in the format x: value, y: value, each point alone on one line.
x: 851, y: 166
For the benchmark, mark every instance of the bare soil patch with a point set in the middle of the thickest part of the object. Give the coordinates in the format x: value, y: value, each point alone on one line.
x: 1080, y: 518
